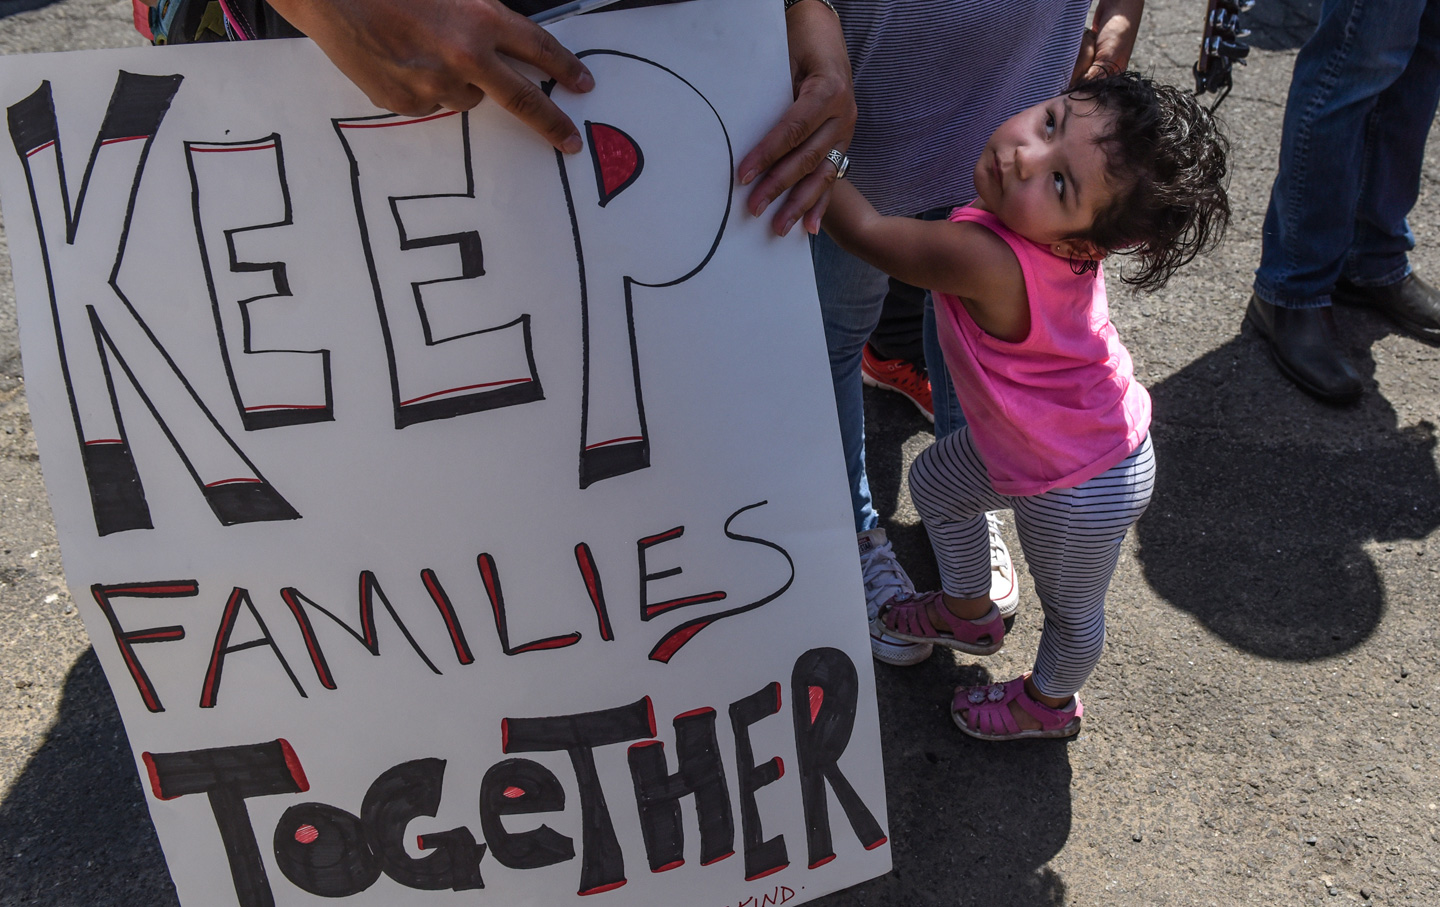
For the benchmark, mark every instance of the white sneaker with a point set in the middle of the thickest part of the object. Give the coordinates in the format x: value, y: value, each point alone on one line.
x: 885, y: 579
x: 1004, y: 590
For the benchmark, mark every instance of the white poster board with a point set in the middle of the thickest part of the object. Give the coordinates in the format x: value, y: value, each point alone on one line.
x: 453, y: 520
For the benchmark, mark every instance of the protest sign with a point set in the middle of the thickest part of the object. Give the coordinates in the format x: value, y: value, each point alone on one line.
x: 455, y: 520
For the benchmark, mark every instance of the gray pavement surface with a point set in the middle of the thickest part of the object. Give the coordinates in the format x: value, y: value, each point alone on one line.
x: 1263, y: 727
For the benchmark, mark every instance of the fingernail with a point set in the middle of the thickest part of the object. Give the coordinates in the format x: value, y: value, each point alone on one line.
x: 785, y: 231
x: 585, y: 82
x: 748, y: 177
x: 573, y: 144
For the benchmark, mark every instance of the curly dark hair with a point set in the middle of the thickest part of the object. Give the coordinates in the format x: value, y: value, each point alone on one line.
x: 1167, y: 155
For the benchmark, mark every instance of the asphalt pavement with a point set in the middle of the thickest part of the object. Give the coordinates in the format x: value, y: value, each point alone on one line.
x: 1261, y: 730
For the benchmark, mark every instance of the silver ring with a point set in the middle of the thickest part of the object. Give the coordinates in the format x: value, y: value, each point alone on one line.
x: 840, y: 160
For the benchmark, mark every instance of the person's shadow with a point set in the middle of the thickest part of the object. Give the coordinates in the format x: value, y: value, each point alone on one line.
x: 991, y: 816
x: 1266, y: 500
x: 11, y: 7
x: 1264, y: 505
x: 75, y: 823
x: 1280, y: 24
x: 988, y: 817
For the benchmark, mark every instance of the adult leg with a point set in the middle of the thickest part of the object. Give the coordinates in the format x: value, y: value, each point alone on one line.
x: 948, y: 416
x: 898, y: 333
x: 895, y: 355
x: 851, y: 296
x: 1359, y: 49
x: 1376, y: 271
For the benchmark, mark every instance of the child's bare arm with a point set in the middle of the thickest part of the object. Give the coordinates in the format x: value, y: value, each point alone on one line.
x: 961, y: 259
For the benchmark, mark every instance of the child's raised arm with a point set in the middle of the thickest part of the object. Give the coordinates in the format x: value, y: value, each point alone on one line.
x: 961, y: 259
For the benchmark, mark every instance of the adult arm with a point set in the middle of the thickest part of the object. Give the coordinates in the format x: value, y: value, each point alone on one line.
x: 414, y: 56
x: 1106, y: 48
x: 791, y: 156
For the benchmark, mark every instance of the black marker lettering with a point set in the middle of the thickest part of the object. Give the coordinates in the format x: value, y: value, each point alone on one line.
x: 762, y: 857
x: 602, y: 865
x: 229, y: 776
x: 521, y: 787
x: 700, y: 774
x: 824, y: 693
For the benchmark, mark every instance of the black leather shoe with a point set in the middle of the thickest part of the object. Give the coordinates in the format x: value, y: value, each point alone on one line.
x: 1305, y: 345
x: 1412, y: 303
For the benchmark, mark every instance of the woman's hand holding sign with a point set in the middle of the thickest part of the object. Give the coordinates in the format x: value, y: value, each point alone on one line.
x: 792, y: 155
x: 414, y: 56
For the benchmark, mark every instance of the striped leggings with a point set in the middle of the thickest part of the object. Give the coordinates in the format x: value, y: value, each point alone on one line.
x: 1071, y: 538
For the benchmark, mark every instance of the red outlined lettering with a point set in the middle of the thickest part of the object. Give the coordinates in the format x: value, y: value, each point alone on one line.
x: 126, y: 640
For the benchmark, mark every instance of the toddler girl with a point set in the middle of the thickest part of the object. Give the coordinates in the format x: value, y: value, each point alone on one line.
x: 1058, y: 427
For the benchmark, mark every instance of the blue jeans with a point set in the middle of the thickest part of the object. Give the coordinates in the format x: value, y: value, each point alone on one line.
x: 1361, y: 101
x: 852, y: 294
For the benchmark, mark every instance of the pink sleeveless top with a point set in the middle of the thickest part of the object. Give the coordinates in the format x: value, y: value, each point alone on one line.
x: 1059, y: 407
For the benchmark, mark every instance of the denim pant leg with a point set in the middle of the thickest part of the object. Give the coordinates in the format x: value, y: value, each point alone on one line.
x: 1394, y: 154
x: 852, y: 294
x: 948, y: 417
x: 1359, y: 50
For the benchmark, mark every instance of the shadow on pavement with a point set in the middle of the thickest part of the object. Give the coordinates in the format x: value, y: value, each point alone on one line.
x: 1259, y: 521
x: 992, y: 815
x: 970, y: 822
x: 75, y: 822
x: 11, y: 7
x: 1258, y: 529
x: 1276, y: 25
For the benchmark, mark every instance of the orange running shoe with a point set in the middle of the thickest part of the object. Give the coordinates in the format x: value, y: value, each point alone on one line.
x: 899, y: 375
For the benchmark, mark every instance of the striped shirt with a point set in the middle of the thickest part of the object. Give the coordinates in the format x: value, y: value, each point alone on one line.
x: 934, y: 78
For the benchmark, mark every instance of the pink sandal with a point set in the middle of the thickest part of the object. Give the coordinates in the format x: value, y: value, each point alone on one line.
x: 905, y: 618
x: 987, y: 712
